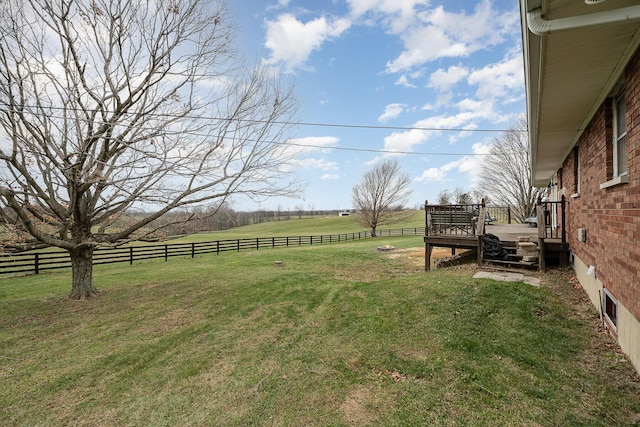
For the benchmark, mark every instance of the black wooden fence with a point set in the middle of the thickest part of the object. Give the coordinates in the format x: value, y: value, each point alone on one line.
x: 35, y: 262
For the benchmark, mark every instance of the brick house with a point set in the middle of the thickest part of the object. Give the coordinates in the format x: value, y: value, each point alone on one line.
x: 582, y: 72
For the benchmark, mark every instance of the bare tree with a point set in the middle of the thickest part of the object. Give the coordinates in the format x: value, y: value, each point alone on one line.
x: 444, y: 197
x: 462, y: 197
x: 382, y: 191
x: 108, y: 106
x: 506, y: 172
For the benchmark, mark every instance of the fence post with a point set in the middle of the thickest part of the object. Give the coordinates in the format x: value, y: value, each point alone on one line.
x: 563, y: 204
x: 289, y: 241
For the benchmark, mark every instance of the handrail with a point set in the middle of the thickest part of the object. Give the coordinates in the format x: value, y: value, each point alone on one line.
x: 459, y: 220
x: 552, y: 219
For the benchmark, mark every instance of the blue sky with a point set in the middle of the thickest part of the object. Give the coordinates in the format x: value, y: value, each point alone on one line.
x: 393, y: 79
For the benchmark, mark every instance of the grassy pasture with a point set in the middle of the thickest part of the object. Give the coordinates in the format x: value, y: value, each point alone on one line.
x: 339, y: 335
x: 304, y: 227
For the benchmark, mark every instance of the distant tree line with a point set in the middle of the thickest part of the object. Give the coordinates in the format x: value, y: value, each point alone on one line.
x: 175, y: 223
x: 458, y: 197
x: 225, y: 218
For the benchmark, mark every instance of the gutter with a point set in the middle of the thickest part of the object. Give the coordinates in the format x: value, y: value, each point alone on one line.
x: 540, y: 26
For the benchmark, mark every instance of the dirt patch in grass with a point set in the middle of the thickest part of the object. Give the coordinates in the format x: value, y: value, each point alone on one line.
x: 176, y: 320
x: 415, y: 255
x: 361, y: 405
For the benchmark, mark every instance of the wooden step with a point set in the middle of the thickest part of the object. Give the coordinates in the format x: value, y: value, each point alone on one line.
x: 512, y: 263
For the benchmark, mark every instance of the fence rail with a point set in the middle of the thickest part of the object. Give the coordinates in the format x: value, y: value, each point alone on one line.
x: 36, y: 262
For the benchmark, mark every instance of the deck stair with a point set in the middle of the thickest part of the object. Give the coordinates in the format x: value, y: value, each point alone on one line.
x: 459, y: 227
x: 522, y: 253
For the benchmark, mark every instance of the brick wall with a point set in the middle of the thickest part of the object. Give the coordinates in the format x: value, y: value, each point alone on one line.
x: 611, y: 216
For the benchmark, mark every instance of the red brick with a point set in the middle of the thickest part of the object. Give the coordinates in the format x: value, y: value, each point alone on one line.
x: 611, y: 216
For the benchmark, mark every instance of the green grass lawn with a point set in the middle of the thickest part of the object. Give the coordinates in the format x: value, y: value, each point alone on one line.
x: 306, y: 226
x: 339, y: 335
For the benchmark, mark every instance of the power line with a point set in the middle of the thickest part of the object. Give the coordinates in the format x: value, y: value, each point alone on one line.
x: 304, y: 123
x: 383, y: 127
x: 290, y: 142
x: 371, y: 150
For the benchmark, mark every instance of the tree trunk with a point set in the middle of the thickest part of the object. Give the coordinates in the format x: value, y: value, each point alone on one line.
x: 373, y: 231
x: 82, y: 273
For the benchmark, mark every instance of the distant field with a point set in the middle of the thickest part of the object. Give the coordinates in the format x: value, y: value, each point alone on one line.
x: 340, y: 335
x: 305, y: 226
x: 295, y: 232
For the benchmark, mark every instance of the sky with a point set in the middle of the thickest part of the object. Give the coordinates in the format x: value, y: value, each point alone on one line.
x: 429, y: 83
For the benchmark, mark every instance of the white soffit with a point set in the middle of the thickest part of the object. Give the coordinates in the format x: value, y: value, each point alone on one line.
x: 569, y: 73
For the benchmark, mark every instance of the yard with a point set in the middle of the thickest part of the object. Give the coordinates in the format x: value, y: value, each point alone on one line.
x: 338, y: 335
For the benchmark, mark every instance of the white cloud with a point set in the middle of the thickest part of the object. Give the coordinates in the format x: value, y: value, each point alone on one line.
x: 292, y: 42
x: 403, y: 81
x: 444, y: 99
x: 397, y: 14
x: 279, y: 5
x: 404, y: 141
x: 330, y: 177
x: 313, y: 143
x: 301, y: 148
x: 499, y: 79
x: 443, y: 80
x: 317, y: 164
x: 418, y: 52
x: 431, y: 175
x: 442, y: 34
x: 471, y: 166
x: 479, y: 109
x: 391, y: 111
x: 431, y: 127
x: 215, y: 83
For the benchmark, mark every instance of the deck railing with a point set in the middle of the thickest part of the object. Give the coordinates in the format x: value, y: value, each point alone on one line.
x: 501, y: 214
x: 454, y: 220
x: 552, y: 219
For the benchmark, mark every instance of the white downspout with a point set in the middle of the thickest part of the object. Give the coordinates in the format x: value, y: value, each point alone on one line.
x: 539, y: 26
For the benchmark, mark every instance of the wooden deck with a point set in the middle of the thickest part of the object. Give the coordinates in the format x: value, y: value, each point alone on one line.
x: 511, y: 232
x: 447, y: 227
x: 508, y: 234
